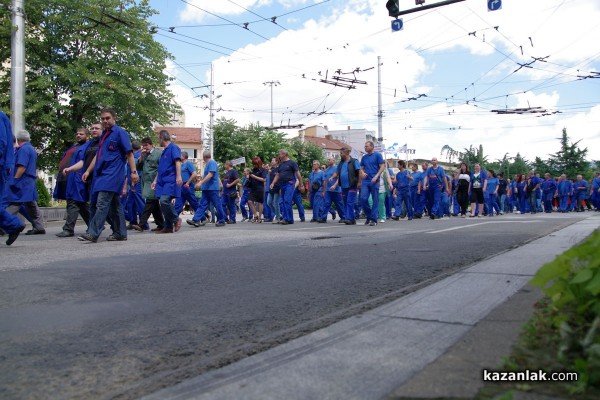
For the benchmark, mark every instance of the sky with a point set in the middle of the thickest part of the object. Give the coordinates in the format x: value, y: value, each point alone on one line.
x: 453, y: 76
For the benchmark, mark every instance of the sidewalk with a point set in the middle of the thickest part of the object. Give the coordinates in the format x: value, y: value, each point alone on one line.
x: 434, y: 342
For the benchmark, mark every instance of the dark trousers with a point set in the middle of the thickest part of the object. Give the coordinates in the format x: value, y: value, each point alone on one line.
x: 74, y: 209
x: 152, y: 207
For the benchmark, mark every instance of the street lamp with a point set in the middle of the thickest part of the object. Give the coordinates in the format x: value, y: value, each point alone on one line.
x: 272, y: 83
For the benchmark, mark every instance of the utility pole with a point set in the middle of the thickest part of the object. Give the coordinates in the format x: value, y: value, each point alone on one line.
x: 211, y: 110
x: 17, y: 65
x: 379, y: 110
x: 272, y: 83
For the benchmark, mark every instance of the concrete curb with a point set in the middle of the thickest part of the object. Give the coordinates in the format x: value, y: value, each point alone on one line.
x: 374, y: 354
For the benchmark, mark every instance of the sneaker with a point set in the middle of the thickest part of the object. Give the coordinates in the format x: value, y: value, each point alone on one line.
x: 322, y: 221
x: 177, y: 225
x: 372, y: 223
x: 381, y: 221
x: 350, y: 222
x: 275, y: 222
x: 284, y: 222
x: 395, y: 218
x: 86, y: 237
x: 165, y: 230
x: 342, y: 221
x: 367, y: 222
x: 115, y: 238
x: 231, y: 222
x: 333, y: 216
x: 220, y: 224
x: 14, y: 235
x: 158, y: 228
x: 65, y: 234
x: 302, y: 220
x: 137, y: 228
x: 463, y: 216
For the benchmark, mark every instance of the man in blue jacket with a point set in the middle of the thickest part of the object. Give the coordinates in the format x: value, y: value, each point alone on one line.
x: 8, y: 222
x: 372, y: 166
x: 580, y: 188
x: 23, y: 190
x: 114, y: 151
x: 76, y: 191
x: 168, y: 182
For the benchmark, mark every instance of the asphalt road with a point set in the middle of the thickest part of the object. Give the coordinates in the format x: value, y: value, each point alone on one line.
x: 121, y: 320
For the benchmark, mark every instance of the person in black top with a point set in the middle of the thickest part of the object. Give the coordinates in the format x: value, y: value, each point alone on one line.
x: 258, y: 176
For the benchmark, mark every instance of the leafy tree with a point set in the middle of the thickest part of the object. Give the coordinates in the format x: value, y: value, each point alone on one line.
x: 44, y: 197
x: 519, y: 166
x: 82, y: 56
x: 473, y: 156
x: 570, y: 159
x: 304, y: 153
x: 542, y: 167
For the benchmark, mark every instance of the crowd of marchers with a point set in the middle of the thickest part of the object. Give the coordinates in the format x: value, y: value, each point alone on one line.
x: 99, y: 179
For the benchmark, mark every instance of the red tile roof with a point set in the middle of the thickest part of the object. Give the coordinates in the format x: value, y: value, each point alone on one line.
x: 183, y: 135
x: 325, y: 143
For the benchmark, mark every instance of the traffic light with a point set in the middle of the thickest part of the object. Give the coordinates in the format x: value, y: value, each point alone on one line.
x: 393, y: 7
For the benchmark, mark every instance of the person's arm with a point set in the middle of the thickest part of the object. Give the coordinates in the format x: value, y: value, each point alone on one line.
x: 207, y: 178
x: 178, y: 179
x: 19, y: 171
x: 275, y: 180
x: 324, y: 184
x: 193, y: 177
x: 484, y: 185
x: 134, y: 174
x: 124, y: 190
x: 378, y: 174
x: 89, y: 170
x: 233, y: 183
x: 299, y: 178
x: 75, y: 167
x: 389, y: 180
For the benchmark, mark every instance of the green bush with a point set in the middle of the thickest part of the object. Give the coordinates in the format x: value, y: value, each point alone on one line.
x: 43, y: 194
x: 572, y: 284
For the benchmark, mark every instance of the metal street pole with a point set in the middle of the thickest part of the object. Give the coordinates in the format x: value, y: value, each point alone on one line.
x: 212, y: 103
x: 272, y: 83
x: 379, y: 110
x: 17, y: 66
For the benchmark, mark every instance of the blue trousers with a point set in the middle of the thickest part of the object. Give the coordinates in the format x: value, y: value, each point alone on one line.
x: 273, y: 202
x: 335, y: 198
x: 533, y: 202
x: 297, y: 200
x: 403, y: 199
x: 209, y: 197
x: 108, y: 205
x: 492, y: 204
x: 287, y: 195
x: 229, y: 207
x: 434, y: 197
x: 548, y: 197
x: 134, y: 205
x: 316, y: 202
x: 187, y: 194
x: 246, y: 213
x: 370, y: 189
x: 8, y: 222
x: 349, y: 198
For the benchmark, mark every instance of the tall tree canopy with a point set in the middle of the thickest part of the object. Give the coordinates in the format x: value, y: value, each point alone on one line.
x: 570, y: 159
x: 232, y: 142
x: 81, y: 56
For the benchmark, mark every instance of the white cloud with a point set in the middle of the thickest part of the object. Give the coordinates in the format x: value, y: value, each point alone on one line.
x: 357, y: 31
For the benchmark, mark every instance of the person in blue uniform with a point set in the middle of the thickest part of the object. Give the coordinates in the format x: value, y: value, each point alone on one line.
x: 490, y: 187
x: 333, y: 194
x: 564, y: 189
x: 297, y: 201
x: 435, y: 182
x: 76, y: 191
x: 188, y: 176
x: 211, y: 186
x: 522, y: 194
x: 372, y: 166
x: 416, y: 186
x: 168, y: 182
x: 533, y: 184
x: 134, y: 203
x: 347, y: 177
x: 8, y: 223
x: 580, y: 187
x: 246, y: 213
x: 445, y: 197
x: 287, y: 176
x: 502, y: 191
x: 548, y: 192
x: 403, y: 180
x: 273, y: 195
x: 595, y: 191
x: 230, y: 193
x: 316, y: 185
x: 114, y: 151
x: 23, y: 194
x: 454, y: 200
